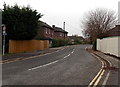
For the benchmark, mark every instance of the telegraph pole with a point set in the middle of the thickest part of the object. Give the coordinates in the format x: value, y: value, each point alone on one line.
x: 64, y: 29
x: 119, y: 13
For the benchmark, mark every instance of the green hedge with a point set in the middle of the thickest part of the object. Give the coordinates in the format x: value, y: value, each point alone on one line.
x: 59, y: 42
x: 94, y: 45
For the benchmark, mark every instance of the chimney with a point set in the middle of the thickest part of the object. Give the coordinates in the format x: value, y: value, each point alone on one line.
x: 118, y: 26
x: 53, y: 26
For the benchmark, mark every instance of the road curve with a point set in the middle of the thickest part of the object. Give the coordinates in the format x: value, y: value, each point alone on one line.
x: 70, y: 66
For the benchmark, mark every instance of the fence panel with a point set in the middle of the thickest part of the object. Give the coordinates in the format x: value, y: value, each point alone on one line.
x: 109, y: 45
x: 16, y: 46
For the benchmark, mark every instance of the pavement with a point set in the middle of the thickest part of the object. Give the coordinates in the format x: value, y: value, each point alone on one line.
x: 28, y: 54
x: 71, y: 65
x: 113, y: 69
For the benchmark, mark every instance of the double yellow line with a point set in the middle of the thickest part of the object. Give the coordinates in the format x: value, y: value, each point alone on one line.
x: 98, y: 77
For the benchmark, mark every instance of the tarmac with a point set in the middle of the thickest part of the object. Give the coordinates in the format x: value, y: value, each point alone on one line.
x: 28, y: 54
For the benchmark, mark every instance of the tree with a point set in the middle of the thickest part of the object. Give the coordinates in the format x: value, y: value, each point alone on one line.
x: 21, y: 22
x: 97, y: 22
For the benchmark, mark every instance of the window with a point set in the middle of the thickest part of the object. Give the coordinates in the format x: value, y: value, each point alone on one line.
x: 52, y: 33
x: 65, y: 35
x: 46, y: 30
x: 49, y: 31
x: 60, y: 34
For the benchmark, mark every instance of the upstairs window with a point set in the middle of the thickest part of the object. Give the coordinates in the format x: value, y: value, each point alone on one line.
x: 46, y: 30
x: 52, y: 33
x: 49, y: 31
x: 61, y: 34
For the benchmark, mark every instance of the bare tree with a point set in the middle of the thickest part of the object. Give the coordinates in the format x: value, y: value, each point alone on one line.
x: 97, y: 22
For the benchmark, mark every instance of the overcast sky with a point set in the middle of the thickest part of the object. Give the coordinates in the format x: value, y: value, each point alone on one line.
x: 71, y: 11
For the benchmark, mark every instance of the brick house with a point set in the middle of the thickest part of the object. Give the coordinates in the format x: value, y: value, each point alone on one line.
x: 59, y: 33
x: 110, y: 43
x: 45, y: 31
x: 114, y: 31
x: 73, y: 38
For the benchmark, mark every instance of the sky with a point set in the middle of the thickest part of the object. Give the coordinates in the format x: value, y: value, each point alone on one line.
x: 69, y: 11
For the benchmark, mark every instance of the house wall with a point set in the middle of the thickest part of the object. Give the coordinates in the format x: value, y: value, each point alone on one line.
x: 59, y: 35
x: 50, y: 33
x: 41, y: 31
x: 46, y: 32
x: 109, y: 45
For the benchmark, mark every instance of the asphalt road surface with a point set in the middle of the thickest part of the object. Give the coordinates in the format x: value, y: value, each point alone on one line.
x: 69, y: 66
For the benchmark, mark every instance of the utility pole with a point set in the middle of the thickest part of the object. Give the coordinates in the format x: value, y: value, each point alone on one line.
x: 64, y: 29
x: 4, y: 34
x: 119, y: 13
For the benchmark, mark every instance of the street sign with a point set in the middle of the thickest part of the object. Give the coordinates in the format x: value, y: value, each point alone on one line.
x: 4, y: 28
x: 4, y: 33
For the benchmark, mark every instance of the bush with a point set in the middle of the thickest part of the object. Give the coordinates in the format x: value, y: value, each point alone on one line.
x: 59, y: 42
x: 21, y: 22
x: 94, y: 45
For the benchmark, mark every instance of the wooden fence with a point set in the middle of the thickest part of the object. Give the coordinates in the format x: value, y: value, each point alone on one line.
x: 16, y: 46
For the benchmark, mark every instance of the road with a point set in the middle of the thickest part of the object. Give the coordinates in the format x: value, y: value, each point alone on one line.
x: 69, y: 66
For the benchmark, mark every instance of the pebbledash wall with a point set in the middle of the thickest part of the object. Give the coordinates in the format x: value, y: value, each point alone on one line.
x: 16, y: 46
x: 110, y: 45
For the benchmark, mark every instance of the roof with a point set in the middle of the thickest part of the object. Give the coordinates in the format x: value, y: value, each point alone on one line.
x: 73, y: 37
x: 58, y: 29
x: 43, y: 24
x: 114, y: 31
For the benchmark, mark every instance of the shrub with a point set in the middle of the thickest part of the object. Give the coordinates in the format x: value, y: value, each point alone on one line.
x: 94, y: 45
x: 59, y: 42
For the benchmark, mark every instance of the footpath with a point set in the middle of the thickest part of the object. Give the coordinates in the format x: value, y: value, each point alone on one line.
x: 113, y: 79
x: 113, y: 60
x: 14, y: 56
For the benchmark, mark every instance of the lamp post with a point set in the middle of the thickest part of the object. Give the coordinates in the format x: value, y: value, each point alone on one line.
x: 4, y: 33
x: 64, y: 29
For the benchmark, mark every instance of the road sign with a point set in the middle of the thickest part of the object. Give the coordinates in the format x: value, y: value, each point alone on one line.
x: 4, y: 28
x: 4, y: 33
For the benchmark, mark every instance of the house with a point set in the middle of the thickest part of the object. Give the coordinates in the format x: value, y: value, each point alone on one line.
x: 45, y: 31
x: 114, y: 31
x: 75, y: 38
x: 59, y: 33
x: 110, y: 44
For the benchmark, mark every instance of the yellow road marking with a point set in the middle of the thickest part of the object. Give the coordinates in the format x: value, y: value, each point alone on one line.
x: 99, y: 75
x: 95, y: 78
x: 99, y: 78
x: 21, y: 58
